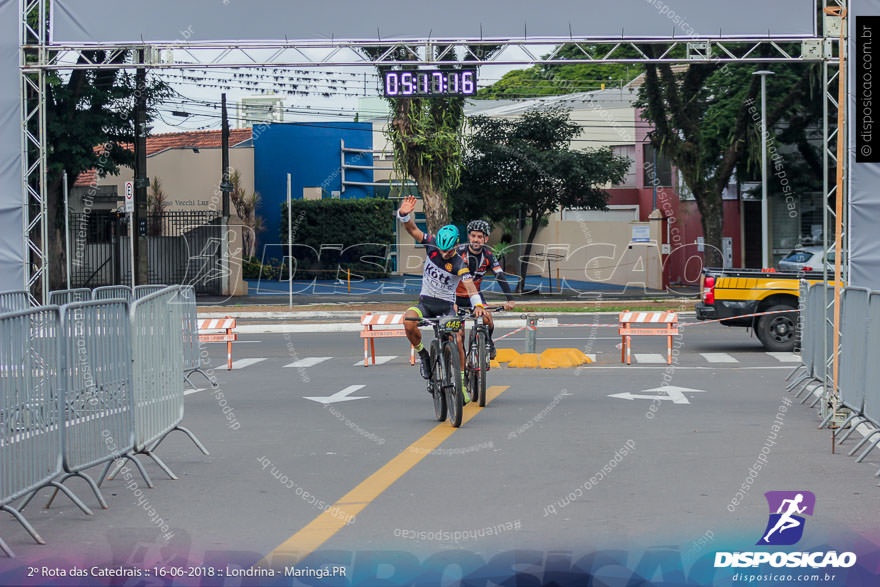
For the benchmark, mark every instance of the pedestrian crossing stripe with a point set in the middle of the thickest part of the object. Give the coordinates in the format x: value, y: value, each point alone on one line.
x: 242, y: 363
x: 649, y: 358
x: 308, y: 362
x: 379, y: 360
x: 642, y: 358
x: 719, y: 358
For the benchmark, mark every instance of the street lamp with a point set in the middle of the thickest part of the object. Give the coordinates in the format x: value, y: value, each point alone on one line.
x: 765, y: 215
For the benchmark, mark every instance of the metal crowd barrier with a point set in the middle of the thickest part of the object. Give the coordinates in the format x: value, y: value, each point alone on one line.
x: 97, y: 396
x: 871, y: 407
x: 68, y: 296
x: 853, y: 354
x: 192, y: 353
x: 14, y: 301
x: 141, y: 291
x: 803, y: 291
x: 872, y: 373
x: 157, y: 347
x: 30, y: 410
x: 112, y: 292
x: 812, y: 365
x: 858, y: 369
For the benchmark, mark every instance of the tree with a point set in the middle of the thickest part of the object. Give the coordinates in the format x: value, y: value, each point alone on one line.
x: 703, y: 122
x: 245, y: 204
x: 524, y: 168
x: 567, y: 78
x: 157, y: 202
x: 427, y: 137
x: 89, y: 125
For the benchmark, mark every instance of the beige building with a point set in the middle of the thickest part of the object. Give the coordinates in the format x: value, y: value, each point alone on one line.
x: 189, y: 167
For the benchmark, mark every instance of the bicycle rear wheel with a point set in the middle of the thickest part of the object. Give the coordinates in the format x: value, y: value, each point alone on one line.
x: 482, y: 367
x: 436, y: 384
x: 470, y: 368
x: 452, y: 383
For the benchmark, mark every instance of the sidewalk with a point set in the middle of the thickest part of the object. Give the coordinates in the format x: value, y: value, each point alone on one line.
x: 404, y: 290
x: 353, y: 311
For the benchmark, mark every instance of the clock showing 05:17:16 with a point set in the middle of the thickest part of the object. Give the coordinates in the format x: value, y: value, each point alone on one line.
x: 420, y: 82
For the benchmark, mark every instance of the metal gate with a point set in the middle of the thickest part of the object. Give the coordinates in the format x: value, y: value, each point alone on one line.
x: 183, y: 248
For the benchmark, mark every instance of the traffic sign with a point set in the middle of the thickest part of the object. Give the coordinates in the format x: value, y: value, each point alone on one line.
x: 129, y: 197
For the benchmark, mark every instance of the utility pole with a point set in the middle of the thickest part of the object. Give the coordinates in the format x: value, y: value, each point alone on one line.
x: 766, y: 257
x: 225, y: 188
x: 139, y: 219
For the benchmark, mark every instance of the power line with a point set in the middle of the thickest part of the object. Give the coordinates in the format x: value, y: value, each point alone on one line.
x: 189, y: 102
x: 370, y: 130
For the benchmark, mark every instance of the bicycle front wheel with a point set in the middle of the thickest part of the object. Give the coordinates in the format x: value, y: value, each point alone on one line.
x: 452, y: 383
x: 436, y: 384
x: 482, y: 367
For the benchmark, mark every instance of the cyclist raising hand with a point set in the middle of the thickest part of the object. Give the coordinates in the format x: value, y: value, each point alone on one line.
x: 443, y: 270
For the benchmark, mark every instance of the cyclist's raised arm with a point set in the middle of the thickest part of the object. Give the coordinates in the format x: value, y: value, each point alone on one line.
x: 404, y: 214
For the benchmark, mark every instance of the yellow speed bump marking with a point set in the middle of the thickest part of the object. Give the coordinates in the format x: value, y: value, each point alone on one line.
x: 526, y: 360
x: 550, y: 359
x: 505, y: 355
x: 562, y: 358
x: 333, y: 519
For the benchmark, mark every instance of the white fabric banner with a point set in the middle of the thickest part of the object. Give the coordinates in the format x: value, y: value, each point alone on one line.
x: 12, y: 253
x: 99, y: 21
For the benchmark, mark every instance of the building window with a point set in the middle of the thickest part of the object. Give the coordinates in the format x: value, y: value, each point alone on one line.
x: 628, y: 151
x: 661, y: 170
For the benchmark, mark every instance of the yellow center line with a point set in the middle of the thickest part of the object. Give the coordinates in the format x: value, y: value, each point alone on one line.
x: 333, y: 519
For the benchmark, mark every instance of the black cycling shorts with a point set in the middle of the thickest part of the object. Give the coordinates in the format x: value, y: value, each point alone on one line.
x: 465, y: 301
x: 432, y: 307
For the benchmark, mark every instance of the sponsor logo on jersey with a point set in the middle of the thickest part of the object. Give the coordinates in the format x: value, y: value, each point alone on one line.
x: 436, y: 275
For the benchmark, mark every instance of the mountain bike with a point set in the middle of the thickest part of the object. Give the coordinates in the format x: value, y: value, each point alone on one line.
x: 445, y: 382
x: 477, y: 355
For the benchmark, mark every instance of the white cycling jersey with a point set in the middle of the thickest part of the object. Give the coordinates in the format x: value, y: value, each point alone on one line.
x: 441, y: 276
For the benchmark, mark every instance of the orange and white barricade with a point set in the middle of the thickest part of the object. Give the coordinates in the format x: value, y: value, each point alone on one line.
x: 392, y: 325
x: 225, y: 324
x: 661, y: 324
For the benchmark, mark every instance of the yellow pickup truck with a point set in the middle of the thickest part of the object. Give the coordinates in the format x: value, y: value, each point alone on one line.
x: 732, y: 293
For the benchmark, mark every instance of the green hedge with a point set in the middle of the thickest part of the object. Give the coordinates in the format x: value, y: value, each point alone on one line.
x: 350, y: 223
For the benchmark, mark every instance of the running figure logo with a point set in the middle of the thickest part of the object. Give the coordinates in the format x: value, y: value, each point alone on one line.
x: 786, y: 526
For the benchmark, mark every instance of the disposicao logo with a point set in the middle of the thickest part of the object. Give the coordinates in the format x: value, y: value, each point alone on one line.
x: 785, y: 527
x: 786, y: 524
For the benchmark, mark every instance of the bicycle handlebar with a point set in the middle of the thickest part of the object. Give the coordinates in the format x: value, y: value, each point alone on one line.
x: 470, y: 311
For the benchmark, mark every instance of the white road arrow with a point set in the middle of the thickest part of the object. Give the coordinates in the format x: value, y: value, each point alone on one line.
x: 670, y: 393
x: 340, y: 396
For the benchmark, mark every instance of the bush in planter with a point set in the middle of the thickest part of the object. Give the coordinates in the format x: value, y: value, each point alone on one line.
x: 364, y: 228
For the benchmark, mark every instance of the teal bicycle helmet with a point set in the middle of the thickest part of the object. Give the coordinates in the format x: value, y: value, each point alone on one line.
x: 447, y: 237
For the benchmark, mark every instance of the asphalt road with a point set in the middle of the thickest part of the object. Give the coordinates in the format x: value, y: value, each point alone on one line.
x: 553, y: 471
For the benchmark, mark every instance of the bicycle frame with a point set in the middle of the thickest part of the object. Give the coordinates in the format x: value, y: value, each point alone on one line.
x: 445, y: 381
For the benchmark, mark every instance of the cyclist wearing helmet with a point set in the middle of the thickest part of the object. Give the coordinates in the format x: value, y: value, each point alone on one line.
x: 443, y: 271
x: 480, y: 260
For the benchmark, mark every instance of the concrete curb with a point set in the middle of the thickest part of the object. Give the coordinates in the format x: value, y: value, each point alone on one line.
x: 355, y: 314
x: 356, y: 327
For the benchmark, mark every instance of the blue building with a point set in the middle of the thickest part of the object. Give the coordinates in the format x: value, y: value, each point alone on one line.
x: 318, y: 155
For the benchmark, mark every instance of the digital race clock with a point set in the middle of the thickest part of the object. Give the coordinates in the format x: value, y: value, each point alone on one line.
x: 427, y: 83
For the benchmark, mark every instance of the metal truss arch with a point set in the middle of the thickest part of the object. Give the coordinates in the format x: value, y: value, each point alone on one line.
x: 38, y: 57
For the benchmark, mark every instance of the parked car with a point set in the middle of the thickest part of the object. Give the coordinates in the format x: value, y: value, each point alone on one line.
x: 732, y: 295
x: 807, y: 259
